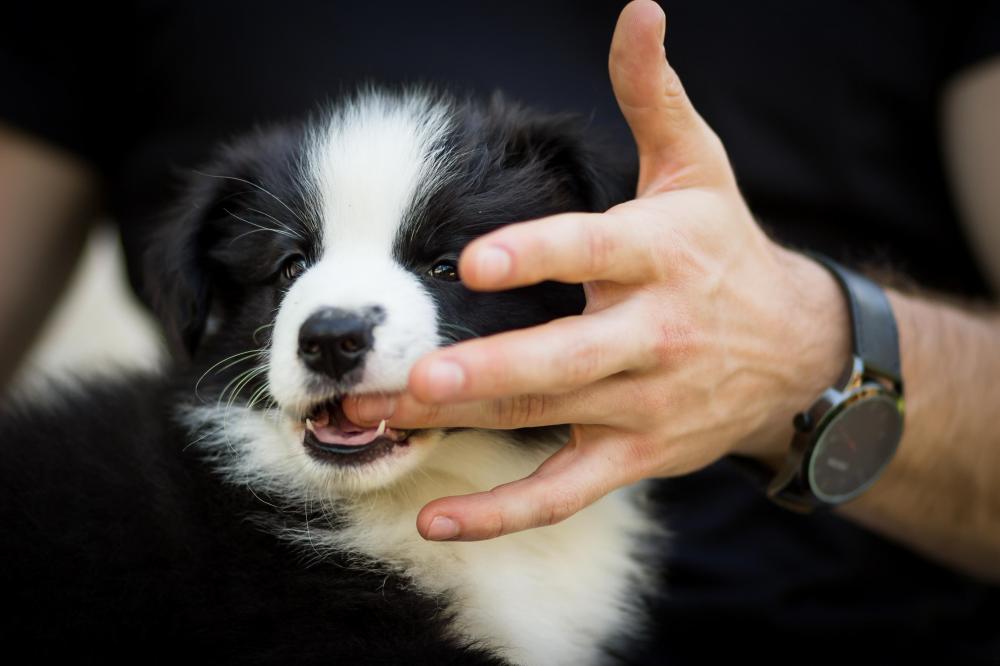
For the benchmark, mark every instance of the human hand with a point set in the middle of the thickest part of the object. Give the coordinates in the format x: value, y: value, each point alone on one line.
x: 700, y: 336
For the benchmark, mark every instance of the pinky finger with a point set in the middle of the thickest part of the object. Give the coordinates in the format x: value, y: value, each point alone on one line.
x: 574, y: 477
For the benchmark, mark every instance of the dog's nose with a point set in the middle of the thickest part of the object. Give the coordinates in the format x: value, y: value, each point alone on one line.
x: 334, y: 341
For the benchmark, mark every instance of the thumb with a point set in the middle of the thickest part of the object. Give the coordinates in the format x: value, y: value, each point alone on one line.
x: 676, y: 147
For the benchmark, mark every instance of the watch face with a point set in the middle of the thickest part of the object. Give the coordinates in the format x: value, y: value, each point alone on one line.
x: 855, y: 446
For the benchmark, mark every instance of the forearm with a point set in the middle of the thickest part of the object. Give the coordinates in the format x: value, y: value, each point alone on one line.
x: 941, y: 493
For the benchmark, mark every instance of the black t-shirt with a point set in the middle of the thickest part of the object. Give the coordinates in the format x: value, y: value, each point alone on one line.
x: 830, y: 117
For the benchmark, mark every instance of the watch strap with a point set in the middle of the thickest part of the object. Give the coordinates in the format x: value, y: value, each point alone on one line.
x: 795, y: 496
x: 876, y: 339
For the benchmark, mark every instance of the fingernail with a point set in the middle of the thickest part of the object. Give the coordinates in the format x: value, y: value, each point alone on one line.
x: 375, y: 408
x: 442, y: 528
x: 492, y: 264
x: 446, y: 379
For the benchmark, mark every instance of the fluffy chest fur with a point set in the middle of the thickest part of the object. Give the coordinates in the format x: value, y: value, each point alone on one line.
x: 556, y: 595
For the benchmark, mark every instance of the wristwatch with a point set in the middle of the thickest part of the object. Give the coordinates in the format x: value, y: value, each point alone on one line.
x: 845, y: 440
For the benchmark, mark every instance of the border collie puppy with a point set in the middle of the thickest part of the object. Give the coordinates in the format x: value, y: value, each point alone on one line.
x: 230, y: 510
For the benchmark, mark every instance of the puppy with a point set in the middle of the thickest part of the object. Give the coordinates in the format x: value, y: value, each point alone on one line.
x: 230, y: 509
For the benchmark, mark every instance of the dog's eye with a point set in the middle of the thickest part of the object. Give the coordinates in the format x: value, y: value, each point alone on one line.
x: 444, y: 270
x: 293, y: 267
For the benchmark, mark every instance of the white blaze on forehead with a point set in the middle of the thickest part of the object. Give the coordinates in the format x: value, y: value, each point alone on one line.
x: 373, y: 159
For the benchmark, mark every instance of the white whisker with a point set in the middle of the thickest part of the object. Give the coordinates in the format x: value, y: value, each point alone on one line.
x: 259, y: 187
x: 258, y: 228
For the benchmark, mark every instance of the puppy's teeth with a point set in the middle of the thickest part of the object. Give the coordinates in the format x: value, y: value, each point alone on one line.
x: 381, y: 429
x: 309, y: 425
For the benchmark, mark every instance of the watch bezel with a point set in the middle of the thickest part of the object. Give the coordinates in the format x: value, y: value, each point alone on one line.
x: 792, y: 486
x: 848, y: 399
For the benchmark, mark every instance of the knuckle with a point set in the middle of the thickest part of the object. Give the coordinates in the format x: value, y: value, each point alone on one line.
x: 433, y: 414
x: 580, y: 364
x: 640, y: 456
x: 670, y: 338
x: 686, y: 339
x: 492, y: 525
x: 657, y: 344
x: 492, y: 368
x: 518, y: 412
x: 600, y: 247
x: 562, y: 502
x: 500, y: 412
x: 530, y: 409
x: 662, y: 348
x: 535, y: 257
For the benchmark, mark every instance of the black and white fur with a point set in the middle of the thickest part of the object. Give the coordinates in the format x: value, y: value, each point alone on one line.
x: 186, y: 513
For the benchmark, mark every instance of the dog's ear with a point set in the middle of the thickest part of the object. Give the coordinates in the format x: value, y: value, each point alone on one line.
x: 182, y: 275
x: 176, y: 271
x: 596, y: 173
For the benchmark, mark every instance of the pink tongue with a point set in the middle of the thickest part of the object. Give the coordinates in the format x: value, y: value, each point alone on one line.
x: 333, y: 427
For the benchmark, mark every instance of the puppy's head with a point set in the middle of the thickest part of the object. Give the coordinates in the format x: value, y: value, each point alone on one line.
x: 308, y: 263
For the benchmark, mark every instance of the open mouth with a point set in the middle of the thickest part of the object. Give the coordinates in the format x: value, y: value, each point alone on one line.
x: 331, y: 437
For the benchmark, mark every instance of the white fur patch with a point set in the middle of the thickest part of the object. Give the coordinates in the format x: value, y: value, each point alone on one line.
x: 374, y: 160
x: 551, y: 595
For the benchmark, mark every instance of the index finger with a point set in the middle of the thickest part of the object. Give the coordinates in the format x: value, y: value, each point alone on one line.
x: 570, y: 247
x: 560, y: 355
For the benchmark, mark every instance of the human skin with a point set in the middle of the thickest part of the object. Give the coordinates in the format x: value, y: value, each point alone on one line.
x: 47, y: 201
x: 701, y: 338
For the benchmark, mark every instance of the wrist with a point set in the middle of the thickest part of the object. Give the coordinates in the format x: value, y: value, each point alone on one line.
x: 815, y: 344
